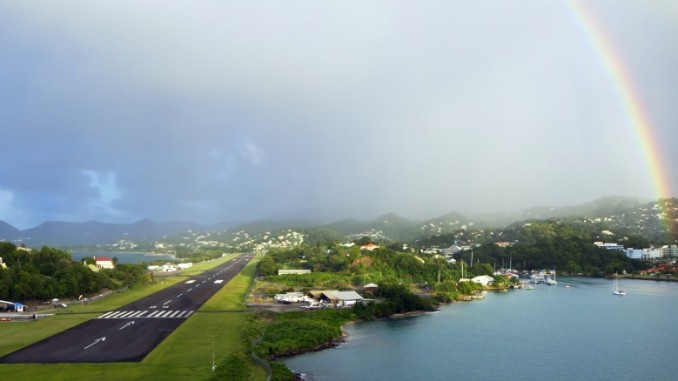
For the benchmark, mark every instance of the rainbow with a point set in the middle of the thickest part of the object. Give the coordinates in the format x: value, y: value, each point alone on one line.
x: 620, y: 78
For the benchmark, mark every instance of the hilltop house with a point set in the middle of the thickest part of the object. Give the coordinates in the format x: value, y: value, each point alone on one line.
x: 369, y: 247
x: 103, y: 262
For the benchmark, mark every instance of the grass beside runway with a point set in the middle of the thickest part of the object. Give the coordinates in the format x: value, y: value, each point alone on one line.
x: 185, y: 355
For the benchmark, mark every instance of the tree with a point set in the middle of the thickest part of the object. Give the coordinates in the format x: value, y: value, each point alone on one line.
x: 267, y: 266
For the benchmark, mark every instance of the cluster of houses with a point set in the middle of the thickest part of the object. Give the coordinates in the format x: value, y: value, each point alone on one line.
x: 169, y: 267
x: 326, y: 298
x: 660, y: 269
x: 670, y: 251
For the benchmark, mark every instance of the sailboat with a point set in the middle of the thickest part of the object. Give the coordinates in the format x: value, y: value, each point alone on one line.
x: 615, y: 289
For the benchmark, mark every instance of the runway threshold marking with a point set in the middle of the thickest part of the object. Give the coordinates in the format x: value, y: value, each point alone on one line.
x: 158, y: 314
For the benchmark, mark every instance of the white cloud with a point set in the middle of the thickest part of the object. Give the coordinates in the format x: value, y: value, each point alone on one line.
x: 252, y: 153
x: 423, y: 107
x: 107, y: 189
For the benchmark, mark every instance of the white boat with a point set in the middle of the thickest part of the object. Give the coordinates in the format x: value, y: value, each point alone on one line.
x: 550, y: 282
x: 615, y: 289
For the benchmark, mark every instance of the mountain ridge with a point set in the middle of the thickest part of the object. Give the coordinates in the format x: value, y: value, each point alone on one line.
x: 389, y: 225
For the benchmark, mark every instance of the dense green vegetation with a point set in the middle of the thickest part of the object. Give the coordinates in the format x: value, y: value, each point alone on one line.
x: 397, y: 299
x: 283, y: 334
x: 48, y: 273
x: 347, y: 267
x: 568, y: 247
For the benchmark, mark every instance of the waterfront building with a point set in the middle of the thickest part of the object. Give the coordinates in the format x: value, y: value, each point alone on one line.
x: 609, y: 246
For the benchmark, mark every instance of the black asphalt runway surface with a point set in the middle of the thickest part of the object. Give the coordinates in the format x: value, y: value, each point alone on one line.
x: 131, y: 332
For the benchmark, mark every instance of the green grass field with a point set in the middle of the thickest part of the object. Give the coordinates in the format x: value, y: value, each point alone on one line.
x: 185, y: 355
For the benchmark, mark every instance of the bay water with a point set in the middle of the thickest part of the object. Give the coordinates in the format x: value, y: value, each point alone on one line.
x: 580, y: 332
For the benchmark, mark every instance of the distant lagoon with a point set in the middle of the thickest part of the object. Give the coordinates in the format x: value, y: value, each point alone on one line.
x: 125, y: 257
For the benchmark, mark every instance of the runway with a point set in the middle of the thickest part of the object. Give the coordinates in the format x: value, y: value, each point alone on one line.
x: 131, y: 332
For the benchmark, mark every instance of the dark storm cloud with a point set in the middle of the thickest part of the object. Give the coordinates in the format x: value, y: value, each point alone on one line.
x: 211, y: 111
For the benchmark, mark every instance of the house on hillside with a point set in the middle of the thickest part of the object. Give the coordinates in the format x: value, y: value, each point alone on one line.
x: 104, y: 262
x: 370, y: 288
x: 454, y: 249
x: 369, y: 247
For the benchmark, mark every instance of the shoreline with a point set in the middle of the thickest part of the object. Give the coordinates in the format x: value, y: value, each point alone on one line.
x: 336, y: 342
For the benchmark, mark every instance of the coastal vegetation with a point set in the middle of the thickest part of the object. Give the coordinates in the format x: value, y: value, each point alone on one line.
x: 48, y: 272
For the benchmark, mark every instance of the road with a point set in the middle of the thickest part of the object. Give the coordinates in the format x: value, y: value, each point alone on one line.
x: 131, y: 332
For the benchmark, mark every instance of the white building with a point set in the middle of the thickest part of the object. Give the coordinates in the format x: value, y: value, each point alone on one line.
x: 609, y: 246
x: 103, y: 262
x: 635, y: 253
x: 485, y: 280
x: 168, y: 267
x: 652, y: 253
x: 293, y: 271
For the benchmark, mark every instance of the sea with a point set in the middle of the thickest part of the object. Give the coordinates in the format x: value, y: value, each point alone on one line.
x: 125, y: 257
x: 576, y: 330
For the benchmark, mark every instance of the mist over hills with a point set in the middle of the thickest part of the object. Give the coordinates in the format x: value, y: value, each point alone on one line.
x: 630, y: 212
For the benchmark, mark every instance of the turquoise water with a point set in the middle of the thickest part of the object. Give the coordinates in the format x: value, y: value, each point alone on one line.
x: 550, y: 333
x: 125, y: 257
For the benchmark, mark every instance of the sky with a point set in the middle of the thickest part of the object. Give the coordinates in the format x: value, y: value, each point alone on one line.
x: 210, y: 111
